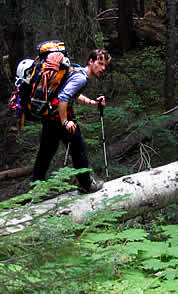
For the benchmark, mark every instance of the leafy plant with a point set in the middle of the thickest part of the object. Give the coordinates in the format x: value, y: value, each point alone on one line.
x: 151, y: 96
x: 57, y: 255
x: 99, y: 40
x: 57, y: 183
x: 134, y: 103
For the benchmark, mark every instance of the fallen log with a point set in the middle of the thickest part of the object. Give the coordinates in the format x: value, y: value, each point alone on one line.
x: 15, y: 173
x: 166, y: 121
x: 147, y: 191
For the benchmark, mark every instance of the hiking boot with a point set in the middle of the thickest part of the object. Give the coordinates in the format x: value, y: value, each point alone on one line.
x: 94, y: 187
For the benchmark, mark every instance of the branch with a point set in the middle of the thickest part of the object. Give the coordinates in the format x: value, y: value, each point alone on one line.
x: 106, y: 11
x: 139, y: 135
x: 15, y: 173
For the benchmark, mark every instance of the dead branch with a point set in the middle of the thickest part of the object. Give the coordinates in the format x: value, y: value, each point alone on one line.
x: 139, y: 135
x: 15, y: 173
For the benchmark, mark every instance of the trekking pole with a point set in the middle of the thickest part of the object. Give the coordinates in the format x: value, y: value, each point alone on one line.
x: 100, y: 107
x: 69, y: 139
x: 67, y: 154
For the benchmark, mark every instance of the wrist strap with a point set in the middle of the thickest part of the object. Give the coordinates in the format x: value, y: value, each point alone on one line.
x: 65, y: 123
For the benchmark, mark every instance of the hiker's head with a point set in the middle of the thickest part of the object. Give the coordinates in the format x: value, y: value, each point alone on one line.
x: 97, y: 62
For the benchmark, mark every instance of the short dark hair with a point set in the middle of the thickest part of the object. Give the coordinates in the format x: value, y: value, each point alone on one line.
x: 99, y: 54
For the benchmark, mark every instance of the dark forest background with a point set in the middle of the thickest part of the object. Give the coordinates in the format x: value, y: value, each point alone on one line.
x: 106, y: 253
x: 139, y: 85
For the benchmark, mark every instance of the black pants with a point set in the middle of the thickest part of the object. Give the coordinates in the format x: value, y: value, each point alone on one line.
x: 52, y: 134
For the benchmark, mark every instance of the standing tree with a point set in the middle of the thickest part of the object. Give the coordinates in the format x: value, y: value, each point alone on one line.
x: 15, y: 32
x: 12, y: 42
x: 142, y: 8
x: 125, y: 24
x: 101, y: 5
x: 170, y: 75
x: 5, y: 85
x: 139, y: 7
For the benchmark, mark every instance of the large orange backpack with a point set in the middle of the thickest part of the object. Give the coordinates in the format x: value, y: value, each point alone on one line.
x: 35, y: 92
x: 50, y: 71
x: 50, y: 67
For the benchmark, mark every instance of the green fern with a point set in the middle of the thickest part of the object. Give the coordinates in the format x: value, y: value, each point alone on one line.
x: 58, y: 256
x: 157, y: 265
x: 132, y: 235
x: 57, y: 183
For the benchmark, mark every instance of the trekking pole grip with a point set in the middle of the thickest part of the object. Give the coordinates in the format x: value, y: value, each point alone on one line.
x: 100, y: 106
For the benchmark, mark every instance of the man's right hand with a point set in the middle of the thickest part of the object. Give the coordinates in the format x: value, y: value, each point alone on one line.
x: 70, y: 126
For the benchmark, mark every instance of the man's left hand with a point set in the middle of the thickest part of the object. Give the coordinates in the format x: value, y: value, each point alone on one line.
x: 101, y: 99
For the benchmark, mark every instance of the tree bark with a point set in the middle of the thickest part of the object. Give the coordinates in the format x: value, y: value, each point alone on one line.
x: 15, y: 33
x: 146, y: 191
x: 142, y: 8
x: 101, y: 5
x: 139, y: 7
x: 145, y: 133
x: 170, y: 74
x: 125, y: 24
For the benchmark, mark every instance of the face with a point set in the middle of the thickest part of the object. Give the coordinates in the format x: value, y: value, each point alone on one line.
x: 97, y: 67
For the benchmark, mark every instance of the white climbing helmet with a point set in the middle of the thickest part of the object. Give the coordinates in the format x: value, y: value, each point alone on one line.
x: 23, y: 71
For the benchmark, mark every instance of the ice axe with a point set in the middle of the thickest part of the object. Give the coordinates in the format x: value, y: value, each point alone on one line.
x: 101, y: 110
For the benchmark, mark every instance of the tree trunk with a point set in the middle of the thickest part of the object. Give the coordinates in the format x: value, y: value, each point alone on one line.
x: 101, y: 6
x: 29, y: 41
x: 170, y: 75
x: 5, y: 74
x: 15, y: 33
x: 139, y: 7
x: 5, y: 77
x: 146, y: 191
x: 84, y: 5
x: 142, y: 8
x: 125, y: 24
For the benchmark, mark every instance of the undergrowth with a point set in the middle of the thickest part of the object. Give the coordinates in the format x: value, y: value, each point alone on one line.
x: 41, y: 190
x: 101, y: 255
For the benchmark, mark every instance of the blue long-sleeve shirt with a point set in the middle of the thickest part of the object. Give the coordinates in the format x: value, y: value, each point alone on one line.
x: 73, y: 87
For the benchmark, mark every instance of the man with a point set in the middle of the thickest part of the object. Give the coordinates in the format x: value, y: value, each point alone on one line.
x: 65, y: 128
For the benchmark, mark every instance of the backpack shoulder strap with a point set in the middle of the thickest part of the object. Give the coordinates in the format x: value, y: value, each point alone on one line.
x: 74, y: 68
